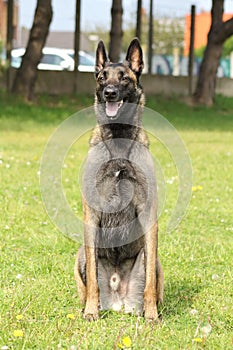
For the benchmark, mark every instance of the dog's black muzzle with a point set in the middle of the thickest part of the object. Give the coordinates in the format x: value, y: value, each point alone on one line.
x: 111, y: 93
x: 113, y: 102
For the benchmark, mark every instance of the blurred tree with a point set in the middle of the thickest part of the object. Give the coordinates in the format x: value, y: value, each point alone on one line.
x: 116, y: 32
x: 199, y: 52
x: 150, y: 49
x: 219, y: 32
x: 2, y: 60
x: 27, y: 73
x: 77, y: 35
x: 226, y: 51
x: 9, y: 39
x: 10, y: 30
x: 227, y: 47
x: 139, y: 19
x: 168, y: 34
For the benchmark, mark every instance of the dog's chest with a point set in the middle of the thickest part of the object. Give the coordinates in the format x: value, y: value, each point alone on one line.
x: 121, y: 186
x: 118, y: 190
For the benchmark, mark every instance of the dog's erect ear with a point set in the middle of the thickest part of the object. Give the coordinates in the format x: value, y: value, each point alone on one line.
x: 134, y: 56
x: 101, y: 57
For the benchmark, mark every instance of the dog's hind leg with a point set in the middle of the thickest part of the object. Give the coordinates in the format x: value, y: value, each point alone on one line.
x: 80, y: 274
x: 133, y: 301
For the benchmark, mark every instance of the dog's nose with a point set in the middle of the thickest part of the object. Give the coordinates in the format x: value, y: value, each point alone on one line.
x: 110, y: 92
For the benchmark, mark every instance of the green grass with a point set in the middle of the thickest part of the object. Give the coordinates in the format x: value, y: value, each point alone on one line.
x: 37, y: 260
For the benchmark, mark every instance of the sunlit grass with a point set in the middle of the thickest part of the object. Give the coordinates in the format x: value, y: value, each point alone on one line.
x: 39, y: 303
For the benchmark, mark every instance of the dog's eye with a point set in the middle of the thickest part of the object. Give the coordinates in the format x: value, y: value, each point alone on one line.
x: 101, y: 78
x: 125, y: 79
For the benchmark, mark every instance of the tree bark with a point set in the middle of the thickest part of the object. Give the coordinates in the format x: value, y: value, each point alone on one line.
x: 26, y: 75
x: 76, y: 42
x: 150, y: 38
x: 116, y: 32
x: 139, y: 19
x: 219, y: 32
x: 9, y: 39
x: 77, y: 35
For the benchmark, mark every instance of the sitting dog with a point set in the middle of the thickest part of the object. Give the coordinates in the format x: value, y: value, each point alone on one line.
x: 118, y: 267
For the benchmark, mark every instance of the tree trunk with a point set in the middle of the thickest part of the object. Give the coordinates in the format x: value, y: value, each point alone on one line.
x: 150, y: 38
x: 26, y: 75
x: 219, y: 32
x: 139, y: 20
x: 205, y: 90
x: 9, y: 39
x: 116, y: 32
x: 76, y: 42
x: 77, y: 34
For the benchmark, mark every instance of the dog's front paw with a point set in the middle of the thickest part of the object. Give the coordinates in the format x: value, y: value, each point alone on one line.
x: 90, y: 315
x: 150, y: 311
x: 151, y: 315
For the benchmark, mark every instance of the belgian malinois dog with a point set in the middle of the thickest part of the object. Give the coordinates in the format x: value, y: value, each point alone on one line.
x: 118, y: 267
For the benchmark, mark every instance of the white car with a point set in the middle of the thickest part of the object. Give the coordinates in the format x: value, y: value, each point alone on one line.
x: 57, y: 59
x: 86, y: 61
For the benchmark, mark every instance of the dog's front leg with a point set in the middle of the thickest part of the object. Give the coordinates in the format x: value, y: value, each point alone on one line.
x: 92, y: 301
x: 150, y: 297
x: 92, y: 290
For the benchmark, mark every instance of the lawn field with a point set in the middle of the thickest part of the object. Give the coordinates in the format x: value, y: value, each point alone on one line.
x: 39, y: 303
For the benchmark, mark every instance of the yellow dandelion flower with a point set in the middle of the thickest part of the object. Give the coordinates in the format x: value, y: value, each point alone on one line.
x: 127, y: 342
x: 197, y: 340
x: 70, y: 316
x: 197, y: 188
x: 18, y: 333
x: 19, y: 317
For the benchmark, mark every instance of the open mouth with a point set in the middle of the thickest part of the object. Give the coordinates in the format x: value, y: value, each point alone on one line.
x: 112, y: 108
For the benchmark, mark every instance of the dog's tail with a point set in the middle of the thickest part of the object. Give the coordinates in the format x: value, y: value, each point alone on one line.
x: 115, y: 281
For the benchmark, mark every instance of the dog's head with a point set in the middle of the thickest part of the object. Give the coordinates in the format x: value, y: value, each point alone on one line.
x: 118, y: 83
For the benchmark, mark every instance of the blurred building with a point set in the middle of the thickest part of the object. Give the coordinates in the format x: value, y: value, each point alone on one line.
x: 202, y: 27
x: 3, y: 21
x: 59, y: 39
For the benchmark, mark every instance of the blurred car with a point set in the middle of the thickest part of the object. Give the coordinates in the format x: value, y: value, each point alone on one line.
x: 57, y: 60
x: 86, y: 61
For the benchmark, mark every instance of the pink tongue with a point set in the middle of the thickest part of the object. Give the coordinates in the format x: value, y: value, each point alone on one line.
x: 111, y: 108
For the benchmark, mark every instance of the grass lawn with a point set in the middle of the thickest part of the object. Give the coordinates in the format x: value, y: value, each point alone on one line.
x: 39, y: 304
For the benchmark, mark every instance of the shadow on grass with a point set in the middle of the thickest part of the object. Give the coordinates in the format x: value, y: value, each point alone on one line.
x: 179, y: 297
x: 178, y: 300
